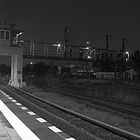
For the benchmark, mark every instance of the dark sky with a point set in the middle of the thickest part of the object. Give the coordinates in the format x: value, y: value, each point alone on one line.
x: 88, y: 20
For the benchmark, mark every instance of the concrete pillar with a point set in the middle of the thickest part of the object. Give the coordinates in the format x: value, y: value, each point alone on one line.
x: 59, y: 69
x: 16, y: 70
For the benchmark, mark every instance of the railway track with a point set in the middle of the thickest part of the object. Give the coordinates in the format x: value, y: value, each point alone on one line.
x: 127, y: 110
x: 77, y: 121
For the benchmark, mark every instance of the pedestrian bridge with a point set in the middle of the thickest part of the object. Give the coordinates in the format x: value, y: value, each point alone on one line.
x: 55, y: 51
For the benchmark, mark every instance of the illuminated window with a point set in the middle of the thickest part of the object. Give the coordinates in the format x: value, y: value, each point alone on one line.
x: 1, y: 34
x: 7, y: 35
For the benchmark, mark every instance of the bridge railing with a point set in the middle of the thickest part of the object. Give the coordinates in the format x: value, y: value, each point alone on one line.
x: 38, y: 48
x: 45, y: 49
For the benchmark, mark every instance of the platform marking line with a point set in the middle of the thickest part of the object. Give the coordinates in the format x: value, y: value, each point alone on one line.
x: 24, y: 132
x: 14, y: 101
x: 70, y: 139
x: 64, y: 137
x: 59, y: 132
x: 55, y: 129
x: 24, y: 108
x: 31, y: 113
x: 18, y: 104
x: 41, y: 120
x: 7, y: 95
x: 10, y: 98
x: 2, y: 92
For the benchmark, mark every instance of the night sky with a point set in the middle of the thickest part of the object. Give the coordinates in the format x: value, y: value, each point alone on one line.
x: 88, y: 20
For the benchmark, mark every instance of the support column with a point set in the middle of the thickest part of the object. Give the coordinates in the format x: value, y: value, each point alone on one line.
x: 16, y: 70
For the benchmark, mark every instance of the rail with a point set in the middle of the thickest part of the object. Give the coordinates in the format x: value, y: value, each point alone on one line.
x: 108, y: 127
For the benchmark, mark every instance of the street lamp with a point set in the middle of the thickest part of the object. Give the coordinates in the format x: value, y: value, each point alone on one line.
x: 59, y: 48
x: 19, y: 34
x: 59, y: 45
x: 126, y: 55
x: 107, y: 38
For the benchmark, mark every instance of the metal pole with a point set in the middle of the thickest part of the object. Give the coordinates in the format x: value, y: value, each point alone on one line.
x: 66, y: 39
x: 107, y: 37
x: 44, y: 49
x: 107, y: 46
x: 123, y: 40
x: 47, y: 45
x: 123, y: 49
x: 30, y: 47
x: 123, y: 44
x: 33, y: 48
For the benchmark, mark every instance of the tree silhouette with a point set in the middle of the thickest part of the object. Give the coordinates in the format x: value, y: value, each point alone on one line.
x: 4, y: 69
x: 135, y: 62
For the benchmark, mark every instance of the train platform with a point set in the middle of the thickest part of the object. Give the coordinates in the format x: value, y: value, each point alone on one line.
x: 17, y: 122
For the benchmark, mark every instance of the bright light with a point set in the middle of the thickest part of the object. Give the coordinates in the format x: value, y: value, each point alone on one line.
x: 87, y: 48
x: 87, y: 42
x: 19, y: 34
x: 127, y: 53
x: 21, y: 41
x: 89, y: 57
x: 31, y: 63
x: 58, y: 44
